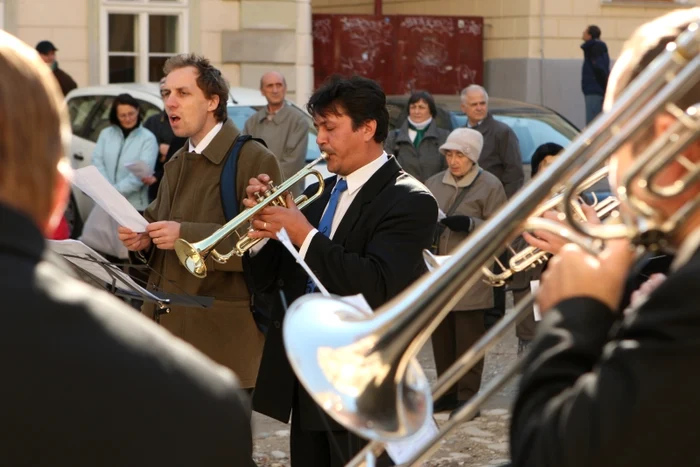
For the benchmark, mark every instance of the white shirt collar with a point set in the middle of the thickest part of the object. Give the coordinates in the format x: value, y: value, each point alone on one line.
x: 687, y: 249
x: 206, y: 140
x: 359, y: 177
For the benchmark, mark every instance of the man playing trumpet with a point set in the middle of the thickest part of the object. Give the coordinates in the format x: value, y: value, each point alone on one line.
x: 604, y: 388
x: 365, y: 235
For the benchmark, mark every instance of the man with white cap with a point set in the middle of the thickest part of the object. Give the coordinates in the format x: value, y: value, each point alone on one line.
x: 467, y: 196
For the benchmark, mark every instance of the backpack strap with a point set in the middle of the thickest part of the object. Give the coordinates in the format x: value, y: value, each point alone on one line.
x: 229, y: 198
x: 231, y: 206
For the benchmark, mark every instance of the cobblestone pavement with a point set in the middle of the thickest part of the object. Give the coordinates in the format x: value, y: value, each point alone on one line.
x: 480, y: 442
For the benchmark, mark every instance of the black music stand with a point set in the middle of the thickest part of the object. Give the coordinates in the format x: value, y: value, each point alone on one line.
x: 95, y: 269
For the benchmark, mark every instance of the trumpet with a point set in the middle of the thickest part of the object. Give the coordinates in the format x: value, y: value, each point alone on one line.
x: 370, y: 399
x: 530, y: 256
x: 193, y: 256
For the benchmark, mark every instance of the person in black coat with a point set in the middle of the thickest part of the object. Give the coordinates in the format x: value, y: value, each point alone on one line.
x: 607, y: 386
x: 372, y: 245
x: 86, y: 380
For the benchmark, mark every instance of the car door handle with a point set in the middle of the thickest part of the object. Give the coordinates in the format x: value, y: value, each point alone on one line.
x: 79, y: 156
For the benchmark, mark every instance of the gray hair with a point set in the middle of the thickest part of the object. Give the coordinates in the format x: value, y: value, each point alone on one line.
x: 474, y: 87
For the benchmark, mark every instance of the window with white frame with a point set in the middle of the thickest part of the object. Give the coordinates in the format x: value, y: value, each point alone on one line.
x: 138, y: 36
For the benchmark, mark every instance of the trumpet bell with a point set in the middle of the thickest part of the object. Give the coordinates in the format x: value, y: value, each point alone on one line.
x: 191, y: 258
x: 331, y: 343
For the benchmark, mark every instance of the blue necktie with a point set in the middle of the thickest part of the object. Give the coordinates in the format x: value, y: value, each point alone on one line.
x: 326, y: 224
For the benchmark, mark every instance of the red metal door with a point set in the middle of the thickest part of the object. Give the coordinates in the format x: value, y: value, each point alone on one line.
x: 439, y: 54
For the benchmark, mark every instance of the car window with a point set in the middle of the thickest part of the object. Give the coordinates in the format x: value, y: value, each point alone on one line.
x: 532, y: 130
x: 99, y: 120
x: 239, y: 115
x: 79, y: 109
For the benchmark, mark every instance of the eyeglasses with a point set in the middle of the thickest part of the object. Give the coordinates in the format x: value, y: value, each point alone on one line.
x: 127, y: 115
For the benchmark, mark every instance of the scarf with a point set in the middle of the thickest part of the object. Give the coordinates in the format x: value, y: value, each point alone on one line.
x: 419, y: 128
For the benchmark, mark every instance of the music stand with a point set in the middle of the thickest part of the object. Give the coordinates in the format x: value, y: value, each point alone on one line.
x: 109, y: 276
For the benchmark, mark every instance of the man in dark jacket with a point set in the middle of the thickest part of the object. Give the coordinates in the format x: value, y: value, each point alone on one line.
x: 605, y: 386
x: 47, y: 52
x: 86, y: 380
x: 364, y: 235
x: 500, y: 155
x: 595, y: 71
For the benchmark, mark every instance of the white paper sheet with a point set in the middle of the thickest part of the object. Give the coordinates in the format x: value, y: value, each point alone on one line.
x: 358, y: 301
x: 283, y: 237
x: 404, y: 450
x: 534, y: 285
x: 91, y: 181
x: 139, y: 169
x: 89, y: 261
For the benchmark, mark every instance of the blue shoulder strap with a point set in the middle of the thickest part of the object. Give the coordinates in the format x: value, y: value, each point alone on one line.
x: 229, y: 199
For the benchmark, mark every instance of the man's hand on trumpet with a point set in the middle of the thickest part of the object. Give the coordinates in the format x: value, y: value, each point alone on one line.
x: 273, y: 218
x: 553, y: 243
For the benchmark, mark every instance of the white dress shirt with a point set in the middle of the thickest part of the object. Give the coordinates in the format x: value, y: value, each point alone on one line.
x: 355, y: 180
x: 206, y: 140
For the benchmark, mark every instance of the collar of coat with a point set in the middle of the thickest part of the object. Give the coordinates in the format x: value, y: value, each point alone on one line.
x: 21, y: 237
x: 430, y: 132
x: 484, y: 125
x: 221, y: 144
x: 278, y: 117
x: 468, y: 179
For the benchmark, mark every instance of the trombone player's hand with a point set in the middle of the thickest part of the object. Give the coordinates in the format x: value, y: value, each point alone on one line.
x: 133, y: 241
x: 575, y: 273
x: 273, y: 218
x: 551, y: 242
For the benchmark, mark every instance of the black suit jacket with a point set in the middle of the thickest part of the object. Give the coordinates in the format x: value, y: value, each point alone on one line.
x: 88, y: 381
x: 376, y: 251
x: 604, y: 390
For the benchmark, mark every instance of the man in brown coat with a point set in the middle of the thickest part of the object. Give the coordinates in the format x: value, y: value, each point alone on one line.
x: 189, y: 206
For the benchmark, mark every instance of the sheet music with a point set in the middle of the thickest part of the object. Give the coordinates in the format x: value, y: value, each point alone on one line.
x: 93, y: 183
x: 283, y: 237
x: 139, y: 169
x: 404, y: 450
x: 92, y: 262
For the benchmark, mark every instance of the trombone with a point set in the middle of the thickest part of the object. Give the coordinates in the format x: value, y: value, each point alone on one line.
x: 378, y: 398
x: 193, y: 256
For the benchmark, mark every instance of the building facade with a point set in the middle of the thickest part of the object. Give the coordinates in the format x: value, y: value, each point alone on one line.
x: 531, y: 47
x: 107, y: 41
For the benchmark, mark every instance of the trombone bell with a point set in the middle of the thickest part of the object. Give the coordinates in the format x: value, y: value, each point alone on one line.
x: 330, y: 342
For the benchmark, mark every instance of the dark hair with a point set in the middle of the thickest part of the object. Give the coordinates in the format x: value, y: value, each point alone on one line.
x: 594, y: 31
x: 424, y: 96
x: 544, y: 150
x: 209, y: 79
x: 360, y: 98
x: 123, y: 99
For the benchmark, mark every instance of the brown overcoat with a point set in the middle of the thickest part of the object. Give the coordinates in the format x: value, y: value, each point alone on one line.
x: 190, y: 194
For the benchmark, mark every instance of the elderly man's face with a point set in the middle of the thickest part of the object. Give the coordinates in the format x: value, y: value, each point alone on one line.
x: 475, y: 106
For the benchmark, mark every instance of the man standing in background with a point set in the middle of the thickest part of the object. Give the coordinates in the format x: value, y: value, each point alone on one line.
x: 283, y: 127
x: 500, y: 155
x: 47, y: 52
x: 595, y: 71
